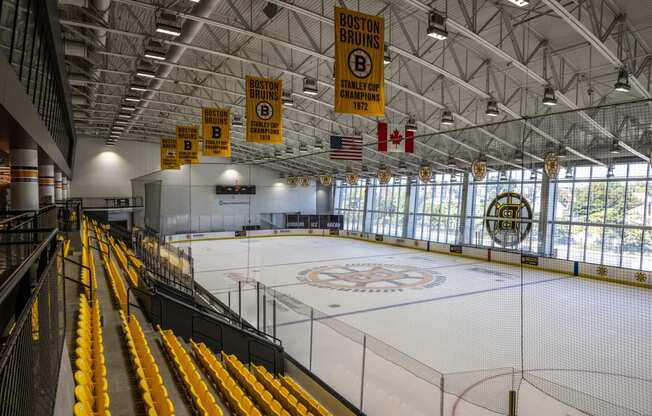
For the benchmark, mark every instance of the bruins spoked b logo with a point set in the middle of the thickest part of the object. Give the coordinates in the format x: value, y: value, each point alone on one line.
x: 360, y: 63
x: 371, y: 277
x: 264, y: 110
x: 509, y: 219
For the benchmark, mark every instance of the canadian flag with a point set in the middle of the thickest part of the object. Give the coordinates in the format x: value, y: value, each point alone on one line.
x: 397, y: 143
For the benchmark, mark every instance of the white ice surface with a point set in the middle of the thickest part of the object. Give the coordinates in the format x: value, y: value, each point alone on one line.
x: 587, y: 339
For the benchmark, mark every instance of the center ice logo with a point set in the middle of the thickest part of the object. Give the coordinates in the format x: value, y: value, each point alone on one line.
x: 371, y: 277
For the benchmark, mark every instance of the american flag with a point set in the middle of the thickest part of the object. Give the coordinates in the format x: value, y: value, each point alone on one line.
x: 346, y: 148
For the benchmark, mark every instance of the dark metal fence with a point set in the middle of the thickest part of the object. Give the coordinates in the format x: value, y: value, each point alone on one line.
x: 33, y: 330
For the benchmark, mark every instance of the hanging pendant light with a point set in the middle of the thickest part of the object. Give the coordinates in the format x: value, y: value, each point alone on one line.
x: 447, y: 118
x: 533, y: 175
x: 569, y: 172
x: 610, y: 171
x: 492, y: 109
x: 549, y: 97
x: 503, y: 176
x: 622, y: 85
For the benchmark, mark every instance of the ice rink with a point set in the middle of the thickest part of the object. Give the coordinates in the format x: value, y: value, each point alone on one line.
x: 431, y: 316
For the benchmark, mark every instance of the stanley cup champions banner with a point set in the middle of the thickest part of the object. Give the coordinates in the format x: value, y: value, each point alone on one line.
x: 264, y: 110
x: 359, y: 66
x: 216, y: 129
x: 187, y: 144
x: 169, y: 154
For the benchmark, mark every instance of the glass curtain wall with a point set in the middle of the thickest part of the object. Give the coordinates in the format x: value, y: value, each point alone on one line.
x: 591, y: 217
x: 386, y: 206
x: 435, y: 209
x: 349, y: 201
x: 481, y: 194
x: 603, y: 220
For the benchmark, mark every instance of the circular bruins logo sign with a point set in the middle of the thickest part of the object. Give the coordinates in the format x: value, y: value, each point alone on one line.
x: 509, y: 219
x: 264, y: 110
x: 371, y: 277
x: 360, y: 63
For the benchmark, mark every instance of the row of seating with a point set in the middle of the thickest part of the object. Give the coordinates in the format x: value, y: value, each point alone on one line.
x: 263, y: 398
x: 310, y: 402
x: 237, y: 399
x: 129, y: 271
x: 152, y: 390
x: 200, y: 397
x: 289, y: 393
x: 91, y: 387
x: 115, y: 279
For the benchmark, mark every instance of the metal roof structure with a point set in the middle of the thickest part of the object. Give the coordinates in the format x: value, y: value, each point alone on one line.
x: 495, y: 51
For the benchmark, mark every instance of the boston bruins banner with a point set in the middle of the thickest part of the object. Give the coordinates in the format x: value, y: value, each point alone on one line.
x: 216, y: 129
x: 169, y: 155
x: 359, y: 66
x: 187, y: 144
x: 264, y: 110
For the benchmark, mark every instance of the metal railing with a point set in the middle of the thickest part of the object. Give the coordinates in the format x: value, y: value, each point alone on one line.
x: 112, y: 202
x: 33, y: 331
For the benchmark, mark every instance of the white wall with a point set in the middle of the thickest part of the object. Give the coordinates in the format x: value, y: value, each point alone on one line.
x: 103, y: 171
x: 190, y: 193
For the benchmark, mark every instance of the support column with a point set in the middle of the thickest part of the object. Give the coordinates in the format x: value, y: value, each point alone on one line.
x: 57, y: 185
x: 463, y: 234
x: 46, y: 183
x: 64, y: 187
x: 24, y: 179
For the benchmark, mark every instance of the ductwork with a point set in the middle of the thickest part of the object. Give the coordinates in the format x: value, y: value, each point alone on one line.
x: 73, y: 48
x: 189, y: 31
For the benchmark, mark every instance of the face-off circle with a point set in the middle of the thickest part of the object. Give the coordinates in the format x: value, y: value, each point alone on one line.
x: 371, y: 277
x: 264, y: 110
x: 360, y: 63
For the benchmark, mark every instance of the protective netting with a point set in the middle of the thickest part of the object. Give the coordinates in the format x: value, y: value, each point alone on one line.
x: 554, y: 301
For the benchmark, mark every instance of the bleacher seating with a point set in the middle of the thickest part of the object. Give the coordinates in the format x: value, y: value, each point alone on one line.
x: 306, y: 399
x: 263, y: 398
x: 91, y: 387
x: 116, y: 283
x: 201, y: 399
x: 150, y: 384
x: 228, y: 387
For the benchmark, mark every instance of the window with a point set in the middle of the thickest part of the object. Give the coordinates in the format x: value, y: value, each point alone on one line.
x: 435, y: 209
x: 349, y: 201
x: 386, y: 206
x: 602, y: 220
x: 481, y: 195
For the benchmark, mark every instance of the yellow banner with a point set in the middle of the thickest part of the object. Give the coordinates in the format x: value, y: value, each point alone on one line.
x: 169, y: 155
x: 359, y: 66
x: 216, y: 129
x: 187, y: 144
x: 264, y: 110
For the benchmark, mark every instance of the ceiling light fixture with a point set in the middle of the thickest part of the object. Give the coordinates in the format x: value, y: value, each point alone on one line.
x: 447, y: 118
x: 437, y: 26
x: 120, y: 122
x: 549, y: 97
x: 128, y: 108
x: 237, y: 120
x: 622, y: 84
x: 411, y: 124
x: 519, y: 3
x: 132, y: 99
x: 137, y: 88
x: 151, y: 54
x: 303, y: 148
x: 615, y: 147
x: 145, y: 73
x: 124, y: 115
x: 610, y: 171
x: 533, y: 175
x: 492, y: 109
x: 288, y: 100
x: 569, y: 173
x: 319, y: 144
x: 387, y: 57
x: 310, y: 86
